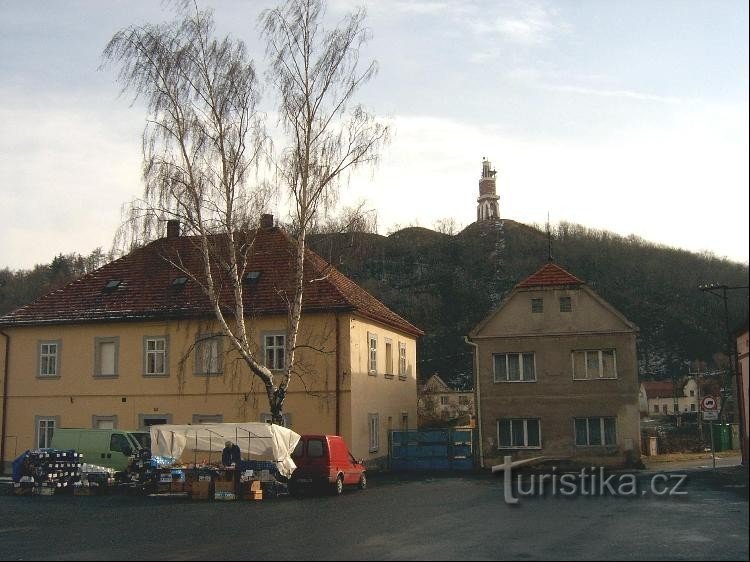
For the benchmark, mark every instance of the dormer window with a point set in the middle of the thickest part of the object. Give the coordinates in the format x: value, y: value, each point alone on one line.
x: 252, y: 278
x: 112, y: 284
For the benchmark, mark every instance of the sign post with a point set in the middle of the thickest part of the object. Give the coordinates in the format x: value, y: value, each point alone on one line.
x: 710, y: 406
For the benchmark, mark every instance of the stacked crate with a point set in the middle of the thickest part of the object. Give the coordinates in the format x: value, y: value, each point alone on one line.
x: 47, y: 471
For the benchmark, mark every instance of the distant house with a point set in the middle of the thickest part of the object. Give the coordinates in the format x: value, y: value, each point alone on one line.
x: 662, y: 398
x: 135, y: 343
x: 440, y: 404
x: 556, y: 375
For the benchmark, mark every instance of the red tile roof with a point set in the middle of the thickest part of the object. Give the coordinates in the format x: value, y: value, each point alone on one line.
x: 550, y: 274
x: 146, y: 290
x: 660, y: 389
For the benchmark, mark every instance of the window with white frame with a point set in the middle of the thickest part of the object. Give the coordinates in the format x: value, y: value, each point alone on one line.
x: 519, y: 433
x: 49, y: 357
x: 106, y: 355
x: 444, y: 400
x: 402, y: 360
x: 45, y: 428
x: 275, y: 351
x: 593, y: 364
x: 374, y: 420
x: 388, y: 357
x: 373, y: 353
x: 593, y: 432
x: 208, y: 355
x: 155, y: 355
x: 515, y: 367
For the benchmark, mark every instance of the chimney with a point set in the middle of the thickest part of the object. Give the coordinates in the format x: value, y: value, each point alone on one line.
x: 173, y: 229
x: 266, y: 221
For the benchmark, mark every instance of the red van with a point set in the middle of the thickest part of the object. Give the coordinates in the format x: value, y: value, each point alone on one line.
x: 324, y: 461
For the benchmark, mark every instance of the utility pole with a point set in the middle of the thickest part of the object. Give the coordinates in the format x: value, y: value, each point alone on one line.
x: 720, y: 291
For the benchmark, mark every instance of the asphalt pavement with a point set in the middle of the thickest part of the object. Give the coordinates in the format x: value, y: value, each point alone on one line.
x: 405, y: 517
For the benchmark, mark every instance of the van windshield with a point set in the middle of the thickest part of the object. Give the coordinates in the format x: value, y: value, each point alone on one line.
x: 143, y: 439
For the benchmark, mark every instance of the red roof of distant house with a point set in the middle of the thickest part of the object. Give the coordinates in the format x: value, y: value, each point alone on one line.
x: 146, y: 289
x: 550, y: 274
x: 659, y: 389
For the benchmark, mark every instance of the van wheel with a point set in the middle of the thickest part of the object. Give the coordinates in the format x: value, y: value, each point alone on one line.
x: 363, y: 482
x: 338, y: 487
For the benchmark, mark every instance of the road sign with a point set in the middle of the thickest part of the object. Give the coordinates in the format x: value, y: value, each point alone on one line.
x: 710, y: 415
x: 709, y: 403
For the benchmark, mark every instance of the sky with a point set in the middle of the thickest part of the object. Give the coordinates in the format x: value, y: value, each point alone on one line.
x: 630, y: 117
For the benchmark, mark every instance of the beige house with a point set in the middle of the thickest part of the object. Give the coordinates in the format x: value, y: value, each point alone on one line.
x: 743, y: 388
x: 440, y: 405
x: 556, y: 375
x: 134, y: 344
x: 662, y: 398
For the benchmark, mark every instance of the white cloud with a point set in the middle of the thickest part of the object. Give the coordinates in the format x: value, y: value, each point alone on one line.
x: 532, y: 24
x: 631, y: 94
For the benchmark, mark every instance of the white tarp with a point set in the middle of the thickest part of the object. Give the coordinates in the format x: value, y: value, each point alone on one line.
x: 261, y: 441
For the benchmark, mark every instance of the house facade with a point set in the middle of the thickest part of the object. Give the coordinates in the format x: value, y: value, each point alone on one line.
x: 556, y: 375
x: 134, y: 344
x: 440, y: 405
x: 663, y: 398
x: 743, y: 387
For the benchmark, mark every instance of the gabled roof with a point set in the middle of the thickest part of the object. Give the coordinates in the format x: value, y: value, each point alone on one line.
x: 146, y: 290
x: 660, y: 389
x: 550, y: 274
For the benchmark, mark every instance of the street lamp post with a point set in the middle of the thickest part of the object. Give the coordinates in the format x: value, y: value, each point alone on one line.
x: 731, y: 353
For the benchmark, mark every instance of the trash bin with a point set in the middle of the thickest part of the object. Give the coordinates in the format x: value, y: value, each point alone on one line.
x: 722, y: 437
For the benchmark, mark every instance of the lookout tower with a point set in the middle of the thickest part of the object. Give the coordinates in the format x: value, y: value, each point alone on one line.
x: 487, y: 204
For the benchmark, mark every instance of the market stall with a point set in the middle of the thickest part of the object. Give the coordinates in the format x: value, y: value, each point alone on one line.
x: 188, y: 459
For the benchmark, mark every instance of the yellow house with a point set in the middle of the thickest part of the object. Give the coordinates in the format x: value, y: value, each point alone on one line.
x: 134, y: 344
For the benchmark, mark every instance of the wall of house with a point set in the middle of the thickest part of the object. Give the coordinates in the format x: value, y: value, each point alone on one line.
x: 743, y: 355
x: 387, y: 395
x: 555, y: 398
x: 75, y: 395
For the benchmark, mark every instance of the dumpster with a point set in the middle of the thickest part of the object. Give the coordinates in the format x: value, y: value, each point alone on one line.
x: 722, y: 437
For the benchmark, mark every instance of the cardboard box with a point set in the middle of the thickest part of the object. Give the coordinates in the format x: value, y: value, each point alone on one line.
x: 177, y: 487
x: 200, y: 490
x: 224, y: 486
x: 255, y: 495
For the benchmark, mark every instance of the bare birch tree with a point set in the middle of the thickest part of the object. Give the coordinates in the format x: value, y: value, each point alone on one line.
x: 204, y: 136
x: 316, y: 74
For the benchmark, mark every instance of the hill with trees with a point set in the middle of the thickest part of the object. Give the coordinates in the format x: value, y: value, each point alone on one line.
x: 445, y: 284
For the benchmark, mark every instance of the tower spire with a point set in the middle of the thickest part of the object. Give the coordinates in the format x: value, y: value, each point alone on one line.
x: 487, y: 203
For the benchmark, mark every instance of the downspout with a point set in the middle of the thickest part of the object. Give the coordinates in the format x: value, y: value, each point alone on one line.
x: 338, y: 378
x: 5, y: 401
x: 476, y: 398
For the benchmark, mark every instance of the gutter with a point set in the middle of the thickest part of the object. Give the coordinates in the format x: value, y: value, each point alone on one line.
x: 5, y: 401
x: 476, y: 397
x: 338, y: 378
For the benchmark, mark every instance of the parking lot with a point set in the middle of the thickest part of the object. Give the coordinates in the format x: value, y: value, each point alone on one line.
x: 398, y: 517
